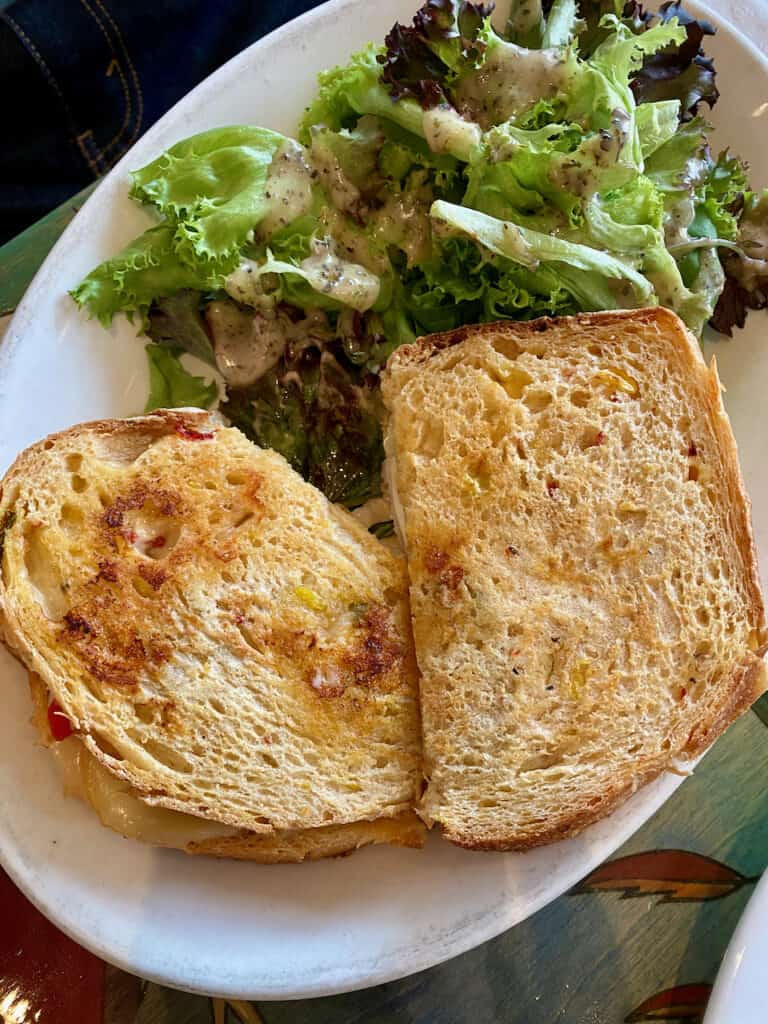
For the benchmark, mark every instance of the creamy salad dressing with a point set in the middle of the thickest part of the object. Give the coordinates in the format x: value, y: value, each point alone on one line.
x: 511, y: 79
x: 694, y: 172
x: 670, y: 292
x: 246, y: 344
x: 341, y: 191
x: 245, y: 285
x: 525, y: 17
x: 404, y: 221
x: 677, y: 221
x: 289, y: 188
x: 446, y: 131
x: 578, y: 172
x: 625, y: 294
x: 346, y: 282
x: 711, y: 276
x: 752, y: 267
x: 351, y: 244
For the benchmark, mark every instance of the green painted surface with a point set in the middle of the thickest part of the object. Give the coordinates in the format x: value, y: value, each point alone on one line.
x: 21, y: 258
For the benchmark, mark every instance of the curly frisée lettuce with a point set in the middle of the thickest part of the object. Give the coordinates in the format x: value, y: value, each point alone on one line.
x: 145, y: 270
x: 451, y: 174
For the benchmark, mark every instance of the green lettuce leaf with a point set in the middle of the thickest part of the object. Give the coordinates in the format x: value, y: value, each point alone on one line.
x: 516, y: 176
x: 595, y: 28
x: 623, y: 52
x: 213, y: 187
x: 354, y: 90
x: 638, y: 203
x: 347, y: 92
x: 173, y: 387
x: 177, y: 321
x: 464, y: 284
x: 563, y: 24
x: 721, y: 199
x: 627, y: 220
x: 657, y: 123
x: 693, y: 307
x: 448, y: 290
x: 607, y: 233
x: 329, y: 286
x: 683, y: 161
x: 600, y: 91
x: 355, y: 151
x: 530, y: 248
x: 718, y: 202
x: 145, y: 269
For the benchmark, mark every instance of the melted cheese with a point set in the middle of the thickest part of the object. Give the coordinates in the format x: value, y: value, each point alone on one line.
x: 120, y: 809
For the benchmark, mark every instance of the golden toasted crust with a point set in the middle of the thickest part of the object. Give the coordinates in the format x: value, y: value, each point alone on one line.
x: 222, y: 638
x: 424, y: 348
x: 316, y: 844
x: 584, y: 585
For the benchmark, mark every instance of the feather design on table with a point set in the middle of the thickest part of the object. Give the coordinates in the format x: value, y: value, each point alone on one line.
x: 677, y: 876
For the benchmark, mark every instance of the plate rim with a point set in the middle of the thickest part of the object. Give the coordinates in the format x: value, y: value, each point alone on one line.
x: 726, y: 982
x: 181, y: 979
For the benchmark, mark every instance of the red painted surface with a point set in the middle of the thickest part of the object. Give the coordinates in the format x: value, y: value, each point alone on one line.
x: 683, y: 1003
x: 665, y: 864
x: 59, y: 979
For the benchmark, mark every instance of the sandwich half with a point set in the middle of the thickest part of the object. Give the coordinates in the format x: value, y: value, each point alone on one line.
x: 584, y: 587
x: 221, y: 657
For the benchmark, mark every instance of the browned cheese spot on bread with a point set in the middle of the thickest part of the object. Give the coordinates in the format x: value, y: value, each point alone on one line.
x: 584, y: 589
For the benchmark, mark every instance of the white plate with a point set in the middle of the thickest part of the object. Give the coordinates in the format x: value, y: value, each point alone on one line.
x: 739, y: 993
x: 242, y: 929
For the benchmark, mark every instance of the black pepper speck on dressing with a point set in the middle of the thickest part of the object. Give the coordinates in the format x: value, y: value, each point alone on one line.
x: 511, y: 79
x: 289, y: 188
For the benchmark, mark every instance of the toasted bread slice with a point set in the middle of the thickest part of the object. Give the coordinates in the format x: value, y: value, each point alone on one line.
x: 584, y: 588
x: 119, y: 807
x: 220, y: 636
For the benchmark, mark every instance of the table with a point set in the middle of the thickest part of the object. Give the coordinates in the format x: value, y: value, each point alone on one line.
x: 639, y: 940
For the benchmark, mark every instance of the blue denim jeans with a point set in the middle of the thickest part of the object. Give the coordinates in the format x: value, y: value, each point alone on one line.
x: 80, y: 80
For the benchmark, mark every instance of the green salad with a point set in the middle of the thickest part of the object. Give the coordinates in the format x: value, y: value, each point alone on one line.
x: 454, y: 174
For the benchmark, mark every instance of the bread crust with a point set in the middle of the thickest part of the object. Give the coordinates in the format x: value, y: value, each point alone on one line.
x: 747, y: 679
x: 429, y: 345
x: 750, y: 681
x: 316, y: 844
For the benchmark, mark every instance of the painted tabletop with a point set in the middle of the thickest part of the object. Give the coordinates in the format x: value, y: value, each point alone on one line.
x: 640, y: 939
